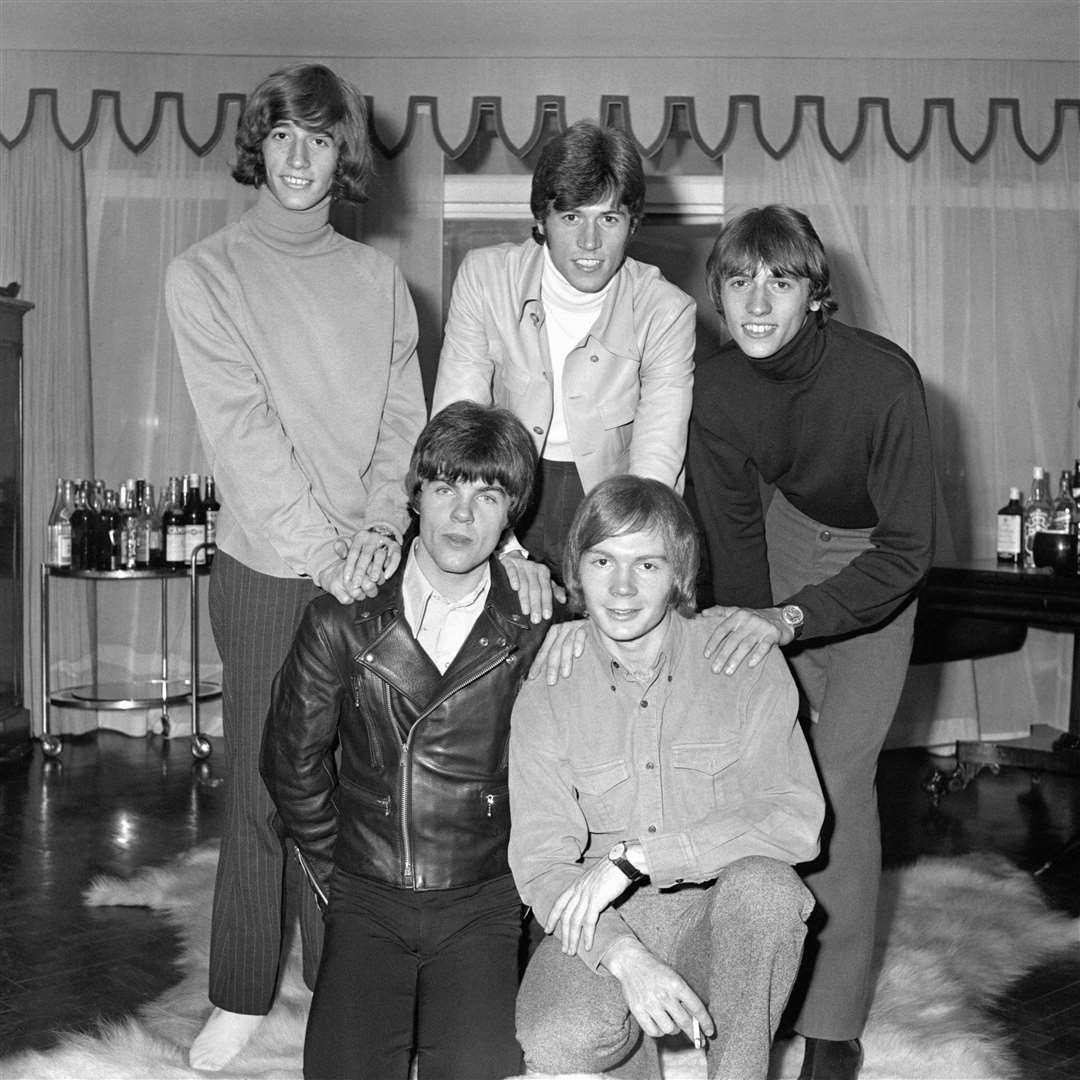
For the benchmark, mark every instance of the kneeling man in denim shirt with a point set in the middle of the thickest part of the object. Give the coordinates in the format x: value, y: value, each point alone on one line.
x: 656, y: 813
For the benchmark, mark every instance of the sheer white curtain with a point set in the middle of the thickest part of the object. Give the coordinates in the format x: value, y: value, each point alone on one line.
x: 140, y: 211
x: 42, y: 246
x: 975, y: 270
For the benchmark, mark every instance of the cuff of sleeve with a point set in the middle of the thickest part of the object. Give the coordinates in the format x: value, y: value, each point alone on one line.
x: 384, y: 528
x: 669, y: 859
x: 512, y: 546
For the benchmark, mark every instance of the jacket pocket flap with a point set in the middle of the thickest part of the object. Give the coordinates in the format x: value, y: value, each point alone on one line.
x: 597, y: 779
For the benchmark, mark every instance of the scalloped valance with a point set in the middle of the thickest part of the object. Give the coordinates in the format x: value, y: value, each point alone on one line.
x: 906, y: 105
x: 1003, y: 116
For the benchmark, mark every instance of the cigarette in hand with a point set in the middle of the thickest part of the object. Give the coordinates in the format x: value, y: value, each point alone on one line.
x: 699, y: 1041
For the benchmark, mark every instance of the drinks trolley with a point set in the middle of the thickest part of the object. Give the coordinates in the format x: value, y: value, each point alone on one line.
x: 146, y: 694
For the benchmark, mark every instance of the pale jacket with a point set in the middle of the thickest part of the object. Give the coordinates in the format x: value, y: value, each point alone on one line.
x: 627, y: 388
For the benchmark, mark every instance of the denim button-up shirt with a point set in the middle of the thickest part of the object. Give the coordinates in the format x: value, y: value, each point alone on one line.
x: 703, y: 769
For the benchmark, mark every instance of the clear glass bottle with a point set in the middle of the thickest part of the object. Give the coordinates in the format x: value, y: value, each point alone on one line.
x: 58, y: 531
x: 1010, y: 529
x: 1038, y: 511
x: 129, y: 527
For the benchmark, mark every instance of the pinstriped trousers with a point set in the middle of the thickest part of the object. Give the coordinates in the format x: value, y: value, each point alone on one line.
x: 852, y: 685
x: 254, y: 617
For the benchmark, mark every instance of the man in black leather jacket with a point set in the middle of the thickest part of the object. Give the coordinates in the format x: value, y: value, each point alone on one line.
x: 404, y: 832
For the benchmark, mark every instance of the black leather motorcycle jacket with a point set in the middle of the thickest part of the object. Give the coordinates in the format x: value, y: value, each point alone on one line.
x: 418, y: 798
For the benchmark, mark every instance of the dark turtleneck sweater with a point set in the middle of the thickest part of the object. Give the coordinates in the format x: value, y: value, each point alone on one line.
x: 836, y: 420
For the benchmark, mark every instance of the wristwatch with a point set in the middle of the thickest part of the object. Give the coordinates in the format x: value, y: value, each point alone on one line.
x: 617, y: 855
x: 793, y: 616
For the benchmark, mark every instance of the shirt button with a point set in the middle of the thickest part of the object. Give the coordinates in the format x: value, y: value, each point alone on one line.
x: 652, y: 828
x: 645, y: 704
x: 483, y: 642
x: 594, y: 359
x: 650, y: 765
x: 535, y: 319
x: 538, y: 430
x: 825, y: 535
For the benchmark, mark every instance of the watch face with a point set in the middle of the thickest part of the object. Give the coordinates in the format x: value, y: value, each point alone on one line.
x: 618, y: 851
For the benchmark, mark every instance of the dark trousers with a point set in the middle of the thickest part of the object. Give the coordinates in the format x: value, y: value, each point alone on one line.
x: 433, y: 972
x: 254, y: 617
x: 544, y: 529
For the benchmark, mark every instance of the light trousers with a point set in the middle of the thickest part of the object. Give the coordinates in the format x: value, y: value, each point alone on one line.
x: 736, y: 942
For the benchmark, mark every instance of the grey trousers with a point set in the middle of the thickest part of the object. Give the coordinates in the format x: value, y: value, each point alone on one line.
x: 852, y: 686
x: 736, y: 942
x: 254, y: 618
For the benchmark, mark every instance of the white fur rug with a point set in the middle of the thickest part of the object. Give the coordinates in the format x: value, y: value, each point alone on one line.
x: 954, y: 932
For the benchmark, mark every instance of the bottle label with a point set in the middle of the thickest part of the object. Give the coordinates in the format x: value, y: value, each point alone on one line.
x: 194, y: 535
x: 211, y: 526
x: 174, y: 544
x: 59, y: 553
x: 1009, y: 535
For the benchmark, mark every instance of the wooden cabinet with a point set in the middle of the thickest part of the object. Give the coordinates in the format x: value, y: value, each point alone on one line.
x: 14, y: 716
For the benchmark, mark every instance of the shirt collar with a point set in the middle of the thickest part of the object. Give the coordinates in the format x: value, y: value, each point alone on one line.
x: 417, y: 591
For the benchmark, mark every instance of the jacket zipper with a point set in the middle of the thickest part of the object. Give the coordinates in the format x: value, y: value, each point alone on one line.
x: 406, y: 751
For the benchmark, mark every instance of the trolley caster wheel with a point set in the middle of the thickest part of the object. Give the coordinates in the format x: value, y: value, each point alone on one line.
x: 51, y: 746
x: 200, y: 747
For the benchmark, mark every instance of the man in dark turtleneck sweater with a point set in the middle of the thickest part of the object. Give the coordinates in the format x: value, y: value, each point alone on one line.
x: 834, y: 419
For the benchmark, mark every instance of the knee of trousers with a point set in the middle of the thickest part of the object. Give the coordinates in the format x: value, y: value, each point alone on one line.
x: 567, y: 1034
x: 759, y: 894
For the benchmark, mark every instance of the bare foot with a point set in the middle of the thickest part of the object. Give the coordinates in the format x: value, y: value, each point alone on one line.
x: 223, y: 1036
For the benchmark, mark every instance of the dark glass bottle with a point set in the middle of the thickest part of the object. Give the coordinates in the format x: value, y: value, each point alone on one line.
x: 1010, y: 529
x: 212, y: 508
x: 109, y: 547
x: 194, y: 520
x: 83, y: 531
x: 171, y: 525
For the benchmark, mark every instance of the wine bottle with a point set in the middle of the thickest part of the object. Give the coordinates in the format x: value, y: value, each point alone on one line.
x: 212, y: 508
x: 194, y: 520
x: 83, y: 530
x: 172, y: 527
x: 1010, y: 529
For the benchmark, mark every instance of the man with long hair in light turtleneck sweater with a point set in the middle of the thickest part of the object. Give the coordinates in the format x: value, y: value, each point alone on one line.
x: 298, y: 347
x: 591, y: 349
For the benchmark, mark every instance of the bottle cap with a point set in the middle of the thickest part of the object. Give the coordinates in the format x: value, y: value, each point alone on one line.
x: 1014, y: 494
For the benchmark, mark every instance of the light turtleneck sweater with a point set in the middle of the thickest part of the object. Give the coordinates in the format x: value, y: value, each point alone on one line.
x: 836, y: 420
x: 298, y: 347
x: 569, y: 315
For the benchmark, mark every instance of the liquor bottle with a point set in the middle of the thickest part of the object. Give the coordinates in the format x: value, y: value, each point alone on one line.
x: 129, y: 527
x: 1063, y: 511
x: 96, y: 496
x: 171, y: 525
x: 108, y: 532
x: 58, y: 545
x: 212, y: 508
x: 1076, y: 481
x: 156, y: 538
x: 142, y: 532
x: 83, y: 530
x: 1038, y: 511
x: 1010, y: 529
x: 194, y: 520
